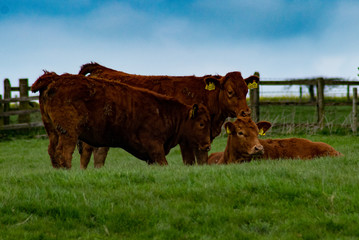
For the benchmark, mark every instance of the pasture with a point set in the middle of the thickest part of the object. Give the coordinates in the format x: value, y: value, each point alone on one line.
x: 127, y: 199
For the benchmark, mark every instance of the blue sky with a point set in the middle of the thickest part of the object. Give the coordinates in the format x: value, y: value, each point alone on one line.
x: 278, y: 38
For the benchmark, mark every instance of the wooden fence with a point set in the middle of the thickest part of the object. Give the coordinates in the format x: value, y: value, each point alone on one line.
x: 22, y: 109
x: 317, y: 101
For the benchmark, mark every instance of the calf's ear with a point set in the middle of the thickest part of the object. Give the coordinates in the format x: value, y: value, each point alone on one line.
x: 230, y: 128
x: 193, y: 112
x: 252, y: 81
x: 211, y: 83
x: 263, y: 127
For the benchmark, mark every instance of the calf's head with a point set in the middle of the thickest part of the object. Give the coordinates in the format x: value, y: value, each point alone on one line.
x: 233, y: 92
x: 243, y: 143
x: 197, y: 128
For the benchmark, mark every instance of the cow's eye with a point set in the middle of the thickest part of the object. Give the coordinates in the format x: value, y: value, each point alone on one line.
x: 201, y: 125
x: 230, y: 93
x: 240, y: 133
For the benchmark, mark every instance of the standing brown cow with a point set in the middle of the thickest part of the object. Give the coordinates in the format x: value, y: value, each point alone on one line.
x: 111, y: 114
x: 223, y: 96
x: 243, y: 145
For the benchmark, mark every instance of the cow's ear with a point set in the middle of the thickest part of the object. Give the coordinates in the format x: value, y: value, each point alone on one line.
x: 230, y: 128
x: 211, y: 83
x: 193, y: 112
x: 252, y: 81
x: 263, y: 127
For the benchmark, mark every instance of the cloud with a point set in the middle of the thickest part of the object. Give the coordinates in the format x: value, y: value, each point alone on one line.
x: 276, y: 19
x: 212, y: 37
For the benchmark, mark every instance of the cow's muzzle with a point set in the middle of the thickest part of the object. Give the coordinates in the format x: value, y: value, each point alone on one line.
x: 257, y: 150
x: 206, y: 148
x: 244, y: 113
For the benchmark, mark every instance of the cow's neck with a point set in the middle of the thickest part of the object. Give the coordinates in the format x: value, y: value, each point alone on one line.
x: 176, y: 125
x: 218, y: 117
x: 267, y: 146
x: 213, y: 102
x: 180, y: 125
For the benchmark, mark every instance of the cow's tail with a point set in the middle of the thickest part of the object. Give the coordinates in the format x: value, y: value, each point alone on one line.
x: 89, y: 68
x: 42, y: 82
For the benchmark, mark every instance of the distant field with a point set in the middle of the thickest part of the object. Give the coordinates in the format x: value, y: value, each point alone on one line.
x: 128, y: 199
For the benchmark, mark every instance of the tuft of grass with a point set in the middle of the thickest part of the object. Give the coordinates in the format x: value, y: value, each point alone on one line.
x: 127, y: 199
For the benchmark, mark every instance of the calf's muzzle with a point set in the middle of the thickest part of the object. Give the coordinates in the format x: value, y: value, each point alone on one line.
x: 258, y: 149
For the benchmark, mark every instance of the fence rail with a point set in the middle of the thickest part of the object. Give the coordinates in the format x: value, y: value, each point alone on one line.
x: 25, y: 101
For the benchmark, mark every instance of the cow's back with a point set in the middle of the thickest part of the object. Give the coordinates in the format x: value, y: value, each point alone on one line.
x: 187, y: 89
x: 296, y: 148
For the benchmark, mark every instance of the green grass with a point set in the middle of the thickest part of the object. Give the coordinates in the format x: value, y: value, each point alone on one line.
x: 127, y: 199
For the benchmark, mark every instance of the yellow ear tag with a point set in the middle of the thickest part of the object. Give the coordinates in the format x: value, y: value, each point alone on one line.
x: 261, y: 132
x: 252, y: 85
x: 210, y: 86
x: 228, y: 131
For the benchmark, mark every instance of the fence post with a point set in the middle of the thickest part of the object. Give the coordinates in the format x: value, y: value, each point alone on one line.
x: 311, y: 93
x: 1, y: 111
x: 7, y: 95
x: 348, y: 92
x: 254, y: 101
x: 320, y: 102
x: 300, y: 94
x: 24, y: 93
x: 355, y: 116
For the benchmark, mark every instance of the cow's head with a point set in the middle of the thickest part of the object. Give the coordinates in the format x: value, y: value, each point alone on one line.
x: 197, y: 129
x: 233, y: 92
x: 243, y: 143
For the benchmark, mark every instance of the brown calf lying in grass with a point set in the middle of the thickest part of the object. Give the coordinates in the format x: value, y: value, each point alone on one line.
x: 243, y: 145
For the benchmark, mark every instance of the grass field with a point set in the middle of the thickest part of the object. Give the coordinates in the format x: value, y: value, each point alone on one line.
x: 127, y: 199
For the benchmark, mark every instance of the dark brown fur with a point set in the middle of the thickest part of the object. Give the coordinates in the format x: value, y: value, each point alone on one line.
x: 110, y: 114
x: 228, y: 99
x: 243, y: 145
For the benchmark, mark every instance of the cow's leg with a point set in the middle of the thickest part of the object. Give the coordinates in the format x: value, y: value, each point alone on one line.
x: 157, y: 154
x: 86, y: 153
x: 187, y: 154
x: 201, y: 156
x: 53, y: 140
x: 99, y: 156
x: 65, y: 149
x: 158, y: 158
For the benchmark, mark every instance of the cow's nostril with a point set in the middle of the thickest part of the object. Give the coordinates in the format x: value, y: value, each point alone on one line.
x: 258, y: 148
x: 245, y: 113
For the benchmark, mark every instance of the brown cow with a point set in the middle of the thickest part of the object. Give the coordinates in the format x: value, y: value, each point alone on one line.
x: 223, y: 96
x: 111, y: 114
x: 243, y: 145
